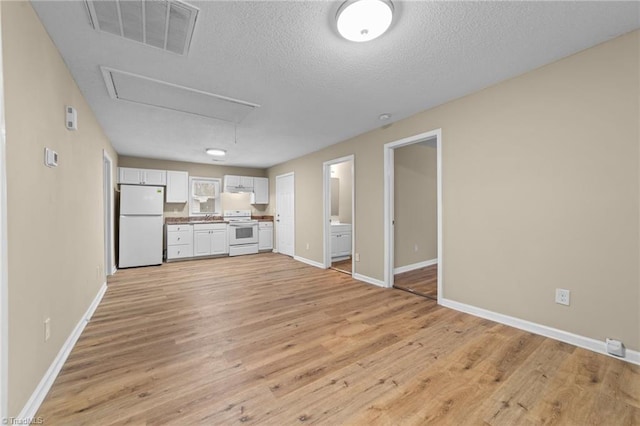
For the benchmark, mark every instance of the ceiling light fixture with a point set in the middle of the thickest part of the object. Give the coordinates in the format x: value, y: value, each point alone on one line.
x: 364, y: 20
x: 216, y: 152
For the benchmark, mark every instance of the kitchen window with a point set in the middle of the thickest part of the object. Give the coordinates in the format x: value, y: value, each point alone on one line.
x: 204, y: 196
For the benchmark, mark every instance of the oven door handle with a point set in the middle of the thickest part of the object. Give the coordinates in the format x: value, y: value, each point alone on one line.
x: 242, y: 226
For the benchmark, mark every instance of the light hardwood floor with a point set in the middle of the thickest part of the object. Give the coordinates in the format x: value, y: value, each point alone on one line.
x: 264, y: 339
x: 422, y: 281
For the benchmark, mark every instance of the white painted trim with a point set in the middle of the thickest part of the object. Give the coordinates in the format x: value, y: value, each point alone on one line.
x: 109, y: 216
x: 439, y: 193
x: 326, y: 193
x: 389, y: 241
x: 309, y: 262
x: 4, y: 250
x: 389, y: 207
x: 368, y: 280
x: 326, y: 214
x: 542, y: 330
x: 31, y: 407
x: 414, y: 266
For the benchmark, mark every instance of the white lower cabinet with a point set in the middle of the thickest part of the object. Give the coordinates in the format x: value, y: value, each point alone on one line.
x: 179, y: 241
x: 265, y: 235
x: 210, y: 239
x: 340, y: 240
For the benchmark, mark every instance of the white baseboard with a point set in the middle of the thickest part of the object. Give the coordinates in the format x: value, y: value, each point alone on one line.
x: 31, y: 407
x: 340, y: 258
x: 114, y: 269
x: 414, y: 266
x: 368, y: 280
x: 309, y: 262
x: 543, y: 330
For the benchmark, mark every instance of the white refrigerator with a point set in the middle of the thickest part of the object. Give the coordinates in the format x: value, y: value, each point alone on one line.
x: 141, y: 209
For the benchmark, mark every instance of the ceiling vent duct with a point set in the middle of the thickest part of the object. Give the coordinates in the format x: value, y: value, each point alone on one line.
x: 147, y: 91
x: 165, y: 24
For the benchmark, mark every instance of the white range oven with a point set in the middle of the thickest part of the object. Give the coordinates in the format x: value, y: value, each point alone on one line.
x: 243, y: 232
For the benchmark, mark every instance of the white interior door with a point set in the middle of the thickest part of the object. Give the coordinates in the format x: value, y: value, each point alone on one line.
x: 285, y: 214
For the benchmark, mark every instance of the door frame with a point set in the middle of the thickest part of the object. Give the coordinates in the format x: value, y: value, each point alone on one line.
x: 326, y: 175
x: 277, y: 223
x: 109, y: 220
x: 389, y: 203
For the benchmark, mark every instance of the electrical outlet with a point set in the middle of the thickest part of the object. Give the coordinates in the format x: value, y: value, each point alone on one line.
x: 307, y: 246
x: 47, y: 329
x: 415, y: 247
x: 563, y: 297
x: 357, y: 257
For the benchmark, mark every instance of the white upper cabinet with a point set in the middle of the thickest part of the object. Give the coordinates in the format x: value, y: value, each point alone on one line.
x: 177, y: 186
x: 238, y: 183
x: 260, y: 193
x: 133, y: 176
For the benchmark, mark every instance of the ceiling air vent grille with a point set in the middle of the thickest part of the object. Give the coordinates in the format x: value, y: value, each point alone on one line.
x: 165, y: 24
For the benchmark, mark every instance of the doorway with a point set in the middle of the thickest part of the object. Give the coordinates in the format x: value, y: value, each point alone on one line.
x: 339, y: 214
x: 285, y: 213
x: 109, y: 250
x: 413, y: 214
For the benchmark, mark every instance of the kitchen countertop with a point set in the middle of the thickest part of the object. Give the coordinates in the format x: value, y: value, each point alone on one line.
x: 192, y: 220
x: 263, y: 218
x: 213, y: 219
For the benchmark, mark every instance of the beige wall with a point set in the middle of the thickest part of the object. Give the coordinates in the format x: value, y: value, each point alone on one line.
x: 228, y: 201
x: 415, y: 204
x: 540, y: 186
x: 343, y: 173
x: 55, y: 215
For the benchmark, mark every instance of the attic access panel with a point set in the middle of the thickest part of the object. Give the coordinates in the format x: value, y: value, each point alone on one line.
x: 147, y: 91
x: 165, y: 24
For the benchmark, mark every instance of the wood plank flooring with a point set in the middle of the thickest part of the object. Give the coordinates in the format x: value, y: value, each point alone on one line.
x: 266, y: 340
x: 422, y: 281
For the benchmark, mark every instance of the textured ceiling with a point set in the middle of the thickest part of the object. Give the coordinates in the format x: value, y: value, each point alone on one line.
x: 315, y: 88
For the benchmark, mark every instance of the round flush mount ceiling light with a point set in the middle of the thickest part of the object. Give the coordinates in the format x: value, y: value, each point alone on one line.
x: 364, y: 20
x: 216, y: 152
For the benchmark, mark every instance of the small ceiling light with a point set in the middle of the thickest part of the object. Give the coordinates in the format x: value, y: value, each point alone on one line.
x: 384, y: 116
x: 216, y: 152
x: 364, y: 20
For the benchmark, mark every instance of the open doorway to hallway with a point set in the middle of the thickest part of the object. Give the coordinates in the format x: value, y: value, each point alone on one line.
x: 416, y: 218
x: 413, y: 214
x: 339, y: 214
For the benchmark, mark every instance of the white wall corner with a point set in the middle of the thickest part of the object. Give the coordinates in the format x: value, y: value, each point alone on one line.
x: 594, y: 345
x: 33, y: 404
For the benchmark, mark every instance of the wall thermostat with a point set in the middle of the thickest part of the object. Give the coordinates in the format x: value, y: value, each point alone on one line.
x: 72, y: 118
x: 50, y: 158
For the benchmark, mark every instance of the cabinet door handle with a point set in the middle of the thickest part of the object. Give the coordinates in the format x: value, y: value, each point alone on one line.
x: 178, y: 238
